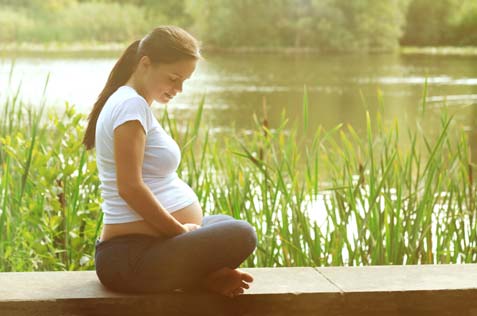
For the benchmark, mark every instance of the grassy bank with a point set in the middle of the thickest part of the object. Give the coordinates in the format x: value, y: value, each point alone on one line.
x: 8, y: 48
x: 440, y: 50
x: 382, y: 203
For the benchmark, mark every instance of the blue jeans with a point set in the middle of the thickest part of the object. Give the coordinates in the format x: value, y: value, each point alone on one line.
x: 140, y: 263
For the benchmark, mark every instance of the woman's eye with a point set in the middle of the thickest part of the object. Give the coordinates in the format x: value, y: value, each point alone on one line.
x: 173, y: 79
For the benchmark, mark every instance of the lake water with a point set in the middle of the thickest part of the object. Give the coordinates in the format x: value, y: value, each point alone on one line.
x: 235, y: 84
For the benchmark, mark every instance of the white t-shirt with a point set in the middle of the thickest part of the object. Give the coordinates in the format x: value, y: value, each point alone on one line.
x: 162, y: 156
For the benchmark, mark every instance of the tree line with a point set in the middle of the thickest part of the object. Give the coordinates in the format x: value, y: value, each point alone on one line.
x: 327, y: 25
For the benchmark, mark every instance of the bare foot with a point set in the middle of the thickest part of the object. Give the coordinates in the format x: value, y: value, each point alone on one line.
x: 227, y: 271
x: 227, y: 281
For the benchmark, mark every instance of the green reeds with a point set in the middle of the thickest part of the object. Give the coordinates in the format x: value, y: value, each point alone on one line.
x: 382, y: 201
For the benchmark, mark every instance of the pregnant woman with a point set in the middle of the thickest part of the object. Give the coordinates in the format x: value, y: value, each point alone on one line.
x: 154, y: 237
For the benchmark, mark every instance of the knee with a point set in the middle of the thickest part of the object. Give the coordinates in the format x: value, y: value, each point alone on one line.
x: 216, y: 218
x: 247, y: 235
x: 222, y: 217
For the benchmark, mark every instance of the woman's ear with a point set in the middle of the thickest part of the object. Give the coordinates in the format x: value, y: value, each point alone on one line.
x: 145, y: 62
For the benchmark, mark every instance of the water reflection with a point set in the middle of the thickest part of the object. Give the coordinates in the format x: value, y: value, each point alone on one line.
x: 235, y: 84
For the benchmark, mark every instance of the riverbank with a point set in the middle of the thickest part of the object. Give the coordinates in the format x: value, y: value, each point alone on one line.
x: 443, y: 50
x: 95, y: 48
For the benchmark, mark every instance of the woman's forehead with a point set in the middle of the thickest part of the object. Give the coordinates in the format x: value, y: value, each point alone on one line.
x: 182, y: 69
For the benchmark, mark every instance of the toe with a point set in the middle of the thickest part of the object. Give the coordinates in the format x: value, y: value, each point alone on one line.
x: 238, y: 291
x: 247, y: 277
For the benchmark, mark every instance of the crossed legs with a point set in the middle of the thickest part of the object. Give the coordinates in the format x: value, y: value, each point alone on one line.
x: 204, y: 258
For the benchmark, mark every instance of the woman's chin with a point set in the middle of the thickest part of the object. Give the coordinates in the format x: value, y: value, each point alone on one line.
x: 162, y: 100
x: 165, y: 100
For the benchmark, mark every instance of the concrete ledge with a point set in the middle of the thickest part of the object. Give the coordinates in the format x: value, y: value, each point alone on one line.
x: 372, y: 290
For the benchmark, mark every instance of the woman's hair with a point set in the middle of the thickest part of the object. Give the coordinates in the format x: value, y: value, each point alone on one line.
x: 164, y: 44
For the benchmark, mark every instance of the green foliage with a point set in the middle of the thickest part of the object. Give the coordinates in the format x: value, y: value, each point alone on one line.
x: 326, y: 25
x: 38, y: 5
x: 381, y: 202
x: 428, y: 21
x: 441, y: 22
x: 172, y: 11
x: 465, y: 29
x: 331, y: 25
x: 75, y: 23
x: 89, y: 22
x: 374, y: 24
x: 15, y: 24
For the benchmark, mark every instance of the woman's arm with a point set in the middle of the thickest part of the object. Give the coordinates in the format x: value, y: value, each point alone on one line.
x: 129, y: 144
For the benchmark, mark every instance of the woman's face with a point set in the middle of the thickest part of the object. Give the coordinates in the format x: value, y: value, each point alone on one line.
x: 163, y: 81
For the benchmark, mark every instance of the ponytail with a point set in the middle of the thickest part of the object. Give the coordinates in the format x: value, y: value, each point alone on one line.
x: 164, y: 44
x: 119, y: 75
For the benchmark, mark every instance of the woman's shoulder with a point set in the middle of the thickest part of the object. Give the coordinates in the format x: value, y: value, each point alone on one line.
x: 126, y: 94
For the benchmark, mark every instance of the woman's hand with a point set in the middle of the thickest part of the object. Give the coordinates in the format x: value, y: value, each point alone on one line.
x: 190, y: 227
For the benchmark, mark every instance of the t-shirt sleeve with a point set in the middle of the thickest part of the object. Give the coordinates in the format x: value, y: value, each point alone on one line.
x: 132, y: 109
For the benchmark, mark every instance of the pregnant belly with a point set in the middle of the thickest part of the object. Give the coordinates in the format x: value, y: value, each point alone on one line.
x: 189, y: 214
